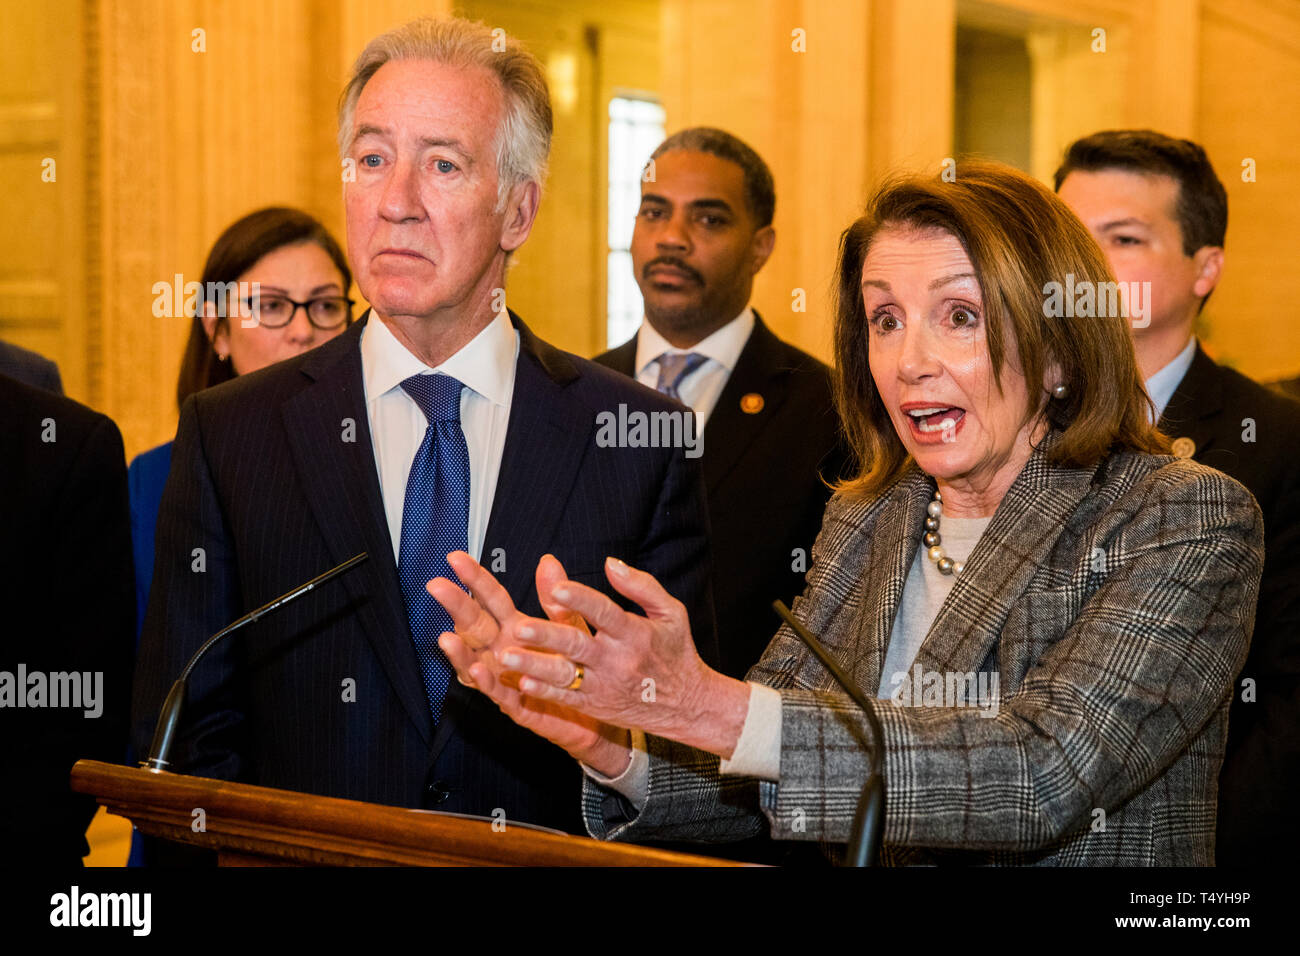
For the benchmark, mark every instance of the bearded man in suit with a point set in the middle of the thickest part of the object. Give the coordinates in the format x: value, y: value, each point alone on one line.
x: 771, y: 434
x: 437, y: 422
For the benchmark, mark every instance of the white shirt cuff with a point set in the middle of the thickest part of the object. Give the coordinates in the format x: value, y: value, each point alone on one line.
x: 634, y: 782
x: 758, y: 751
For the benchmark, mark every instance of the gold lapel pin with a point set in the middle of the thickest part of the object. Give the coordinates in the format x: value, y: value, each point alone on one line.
x: 1184, y: 447
x: 752, y: 403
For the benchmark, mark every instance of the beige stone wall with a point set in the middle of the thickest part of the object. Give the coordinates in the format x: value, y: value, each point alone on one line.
x: 162, y: 137
x: 873, y: 93
x: 1249, y: 94
x: 791, y: 79
x: 592, y: 50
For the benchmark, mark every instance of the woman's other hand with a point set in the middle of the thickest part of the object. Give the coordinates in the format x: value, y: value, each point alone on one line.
x: 481, y: 619
x: 636, y: 671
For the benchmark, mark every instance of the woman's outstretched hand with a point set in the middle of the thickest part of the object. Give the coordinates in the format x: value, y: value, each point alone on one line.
x: 481, y: 619
x: 636, y: 671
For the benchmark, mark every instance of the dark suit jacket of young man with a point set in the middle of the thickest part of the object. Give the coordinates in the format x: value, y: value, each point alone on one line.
x: 273, y: 475
x: 66, y: 584
x: 763, y: 472
x: 1261, y: 768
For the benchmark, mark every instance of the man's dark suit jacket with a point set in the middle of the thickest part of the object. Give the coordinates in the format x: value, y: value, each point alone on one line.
x: 273, y: 476
x: 66, y: 585
x: 1260, y: 779
x: 764, y: 475
x: 30, y: 367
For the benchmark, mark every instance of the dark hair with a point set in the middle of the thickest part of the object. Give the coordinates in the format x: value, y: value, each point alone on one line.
x: 234, y: 253
x: 1202, y: 205
x: 1019, y: 237
x: 760, y: 192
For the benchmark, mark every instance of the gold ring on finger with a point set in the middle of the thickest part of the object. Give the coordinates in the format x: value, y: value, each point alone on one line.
x: 578, y: 674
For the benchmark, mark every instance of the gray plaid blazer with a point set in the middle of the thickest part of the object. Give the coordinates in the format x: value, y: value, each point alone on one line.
x: 1116, y: 607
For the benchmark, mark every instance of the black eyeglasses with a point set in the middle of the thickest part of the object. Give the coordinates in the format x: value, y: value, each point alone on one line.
x: 276, y: 311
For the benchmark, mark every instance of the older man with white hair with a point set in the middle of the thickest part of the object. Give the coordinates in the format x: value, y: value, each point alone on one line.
x: 437, y: 422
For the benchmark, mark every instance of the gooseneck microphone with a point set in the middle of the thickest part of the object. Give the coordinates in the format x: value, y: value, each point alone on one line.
x: 869, y: 820
x: 169, y: 718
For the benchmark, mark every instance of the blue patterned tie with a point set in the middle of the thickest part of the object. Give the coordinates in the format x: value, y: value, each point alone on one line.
x: 435, y: 520
x: 674, y: 367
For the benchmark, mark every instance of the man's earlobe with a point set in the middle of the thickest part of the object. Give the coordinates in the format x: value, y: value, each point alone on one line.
x: 764, y: 242
x: 1209, y: 267
x: 521, y: 211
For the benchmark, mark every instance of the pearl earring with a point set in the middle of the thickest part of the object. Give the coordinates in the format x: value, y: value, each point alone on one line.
x: 1060, y: 391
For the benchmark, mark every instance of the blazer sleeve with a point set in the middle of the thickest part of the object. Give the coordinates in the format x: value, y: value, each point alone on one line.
x: 687, y: 800
x: 1134, y: 678
x: 195, y: 593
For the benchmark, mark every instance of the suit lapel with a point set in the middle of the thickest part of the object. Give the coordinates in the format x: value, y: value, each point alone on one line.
x: 869, y: 541
x: 1195, y: 404
x: 1014, y: 546
x: 621, y: 359
x: 339, y: 479
x: 545, y: 441
x: 731, y: 429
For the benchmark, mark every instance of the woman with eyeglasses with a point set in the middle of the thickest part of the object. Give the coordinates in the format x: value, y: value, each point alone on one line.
x: 300, y: 279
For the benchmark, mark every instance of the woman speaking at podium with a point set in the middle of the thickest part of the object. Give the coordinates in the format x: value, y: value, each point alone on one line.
x: 1046, y: 608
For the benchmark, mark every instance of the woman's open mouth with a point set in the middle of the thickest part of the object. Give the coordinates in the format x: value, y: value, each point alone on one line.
x: 935, y: 422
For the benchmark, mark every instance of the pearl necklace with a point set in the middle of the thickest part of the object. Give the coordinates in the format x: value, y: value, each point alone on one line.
x: 934, y: 551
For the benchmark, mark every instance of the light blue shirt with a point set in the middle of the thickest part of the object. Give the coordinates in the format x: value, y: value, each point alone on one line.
x: 1162, y: 385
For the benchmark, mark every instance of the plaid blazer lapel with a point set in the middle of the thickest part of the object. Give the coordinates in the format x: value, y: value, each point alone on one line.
x: 860, y: 541
x: 893, y: 544
x: 1016, y: 545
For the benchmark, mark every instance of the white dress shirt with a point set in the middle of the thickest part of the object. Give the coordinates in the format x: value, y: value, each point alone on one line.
x: 700, y: 389
x: 1162, y: 385
x: 486, y: 365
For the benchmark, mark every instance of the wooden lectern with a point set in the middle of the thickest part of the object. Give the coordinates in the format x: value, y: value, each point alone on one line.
x: 261, y: 826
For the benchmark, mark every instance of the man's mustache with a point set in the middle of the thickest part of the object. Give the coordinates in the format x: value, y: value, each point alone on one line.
x: 675, y: 263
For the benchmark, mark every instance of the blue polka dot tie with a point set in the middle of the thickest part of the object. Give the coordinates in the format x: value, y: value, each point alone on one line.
x: 435, y: 520
x: 673, y: 369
